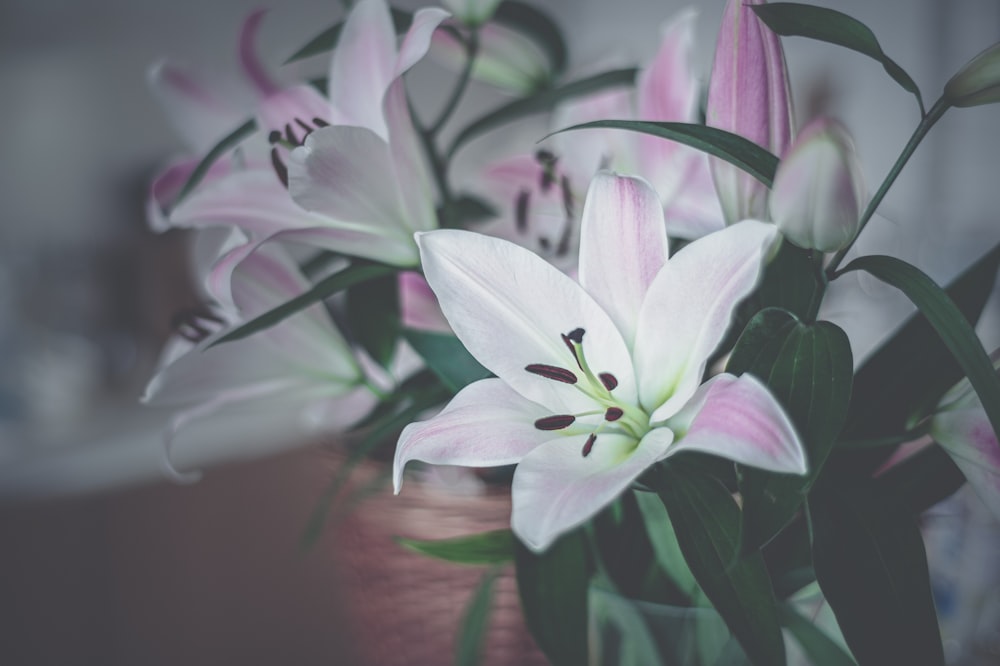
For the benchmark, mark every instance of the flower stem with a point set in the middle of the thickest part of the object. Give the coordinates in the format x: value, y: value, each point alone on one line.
x: 926, y: 123
x: 471, y: 51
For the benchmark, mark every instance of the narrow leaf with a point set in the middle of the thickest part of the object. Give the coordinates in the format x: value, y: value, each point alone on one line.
x: 226, y: 144
x: 327, y: 40
x: 350, y: 276
x: 373, y: 314
x: 828, y: 25
x: 537, y: 25
x: 541, y: 102
x: 820, y: 648
x: 707, y: 523
x: 447, y: 358
x: 553, y: 587
x: 494, y: 547
x: 733, y: 148
x: 475, y: 621
x: 665, y: 546
x: 954, y: 330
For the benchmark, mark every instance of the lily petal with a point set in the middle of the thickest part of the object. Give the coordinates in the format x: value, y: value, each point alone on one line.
x: 623, y: 245
x: 419, y: 308
x: 688, y: 309
x: 168, y: 184
x: 738, y: 418
x: 510, y: 309
x: 249, y: 60
x: 418, y: 38
x: 556, y: 488
x: 486, y: 424
x: 196, y: 114
x: 968, y: 438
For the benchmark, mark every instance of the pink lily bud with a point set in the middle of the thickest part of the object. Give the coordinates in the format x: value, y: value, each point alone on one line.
x: 819, y: 190
x: 748, y: 94
x: 978, y: 82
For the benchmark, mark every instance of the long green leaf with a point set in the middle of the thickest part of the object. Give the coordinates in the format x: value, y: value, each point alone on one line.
x: 828, y: 25
x: 820, y: 648
x: 949, y: 322
x: 372, y: 309
x: 540, y: 103
x: 537, y: 25
x: 553, y: 587
x: 494, y: 547
x: 733, y: 148
x: 475, y: 621
x: 447, y: 358
x: 707, y: 523
x: 350, y: 276
x: 327, y: 40
x: 226, y: 144
x: 875, y: 578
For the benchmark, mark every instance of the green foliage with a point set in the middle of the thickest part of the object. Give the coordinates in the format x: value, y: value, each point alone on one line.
x: 475, y: 621
x: 447, y: 358
x: 539, y: 27
x: 494, y: 547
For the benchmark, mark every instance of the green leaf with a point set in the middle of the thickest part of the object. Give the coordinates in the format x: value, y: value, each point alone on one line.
x: 447, y: 357
x: 820, y: 648
x: 494, y: 547
x: 733, y: 148
x: 464, y: 211
x: 809, y: 369
x: 327, y: 40
x: 665, y: 546
x: 538, y: 26
x: 876, y: 580
x: 914, y: 485
x: 227, y: 143
x: 828, y: 25
x: 350, y: 276
x: 947, y: 319
x: 541, y: 102
x: 553, y: 587
x: 475, y: 621
x: 707, y: 523
x: 790, y: 282
x: 373, y: 316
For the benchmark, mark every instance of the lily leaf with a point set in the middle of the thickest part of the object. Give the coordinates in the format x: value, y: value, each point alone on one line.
x: 350, y: 276
x: 494, y: 547
x: 537, y: 25
x: 820, y: 648
x: 553, y: 587
x: 327, y: 40
x: 541, y: 102
x: 948, y: 321
x: 447, y: 358
x: 472, y: 631
x: 733, y: 148
x: 226, y: 144
x: 373, y: 312
x: 707, y: 523
x: 876, y: 580
x: 809, y: 369
x: 828, y: 25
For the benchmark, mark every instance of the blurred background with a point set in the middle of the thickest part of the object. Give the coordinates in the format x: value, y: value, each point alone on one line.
x: 103, y: 561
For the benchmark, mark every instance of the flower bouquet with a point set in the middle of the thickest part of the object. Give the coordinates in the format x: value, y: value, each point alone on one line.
x: 622, y: 317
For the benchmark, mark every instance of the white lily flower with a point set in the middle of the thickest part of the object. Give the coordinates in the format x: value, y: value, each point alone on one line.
x: 597, y: 380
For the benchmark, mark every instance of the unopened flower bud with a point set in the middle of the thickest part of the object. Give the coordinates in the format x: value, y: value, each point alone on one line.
x: 818, y: 189
x: 472, y: 12
x: 748, y: 94
x: 978, y: 82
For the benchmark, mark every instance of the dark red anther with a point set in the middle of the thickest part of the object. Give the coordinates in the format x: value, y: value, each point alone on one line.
x: 521, y: 210
x: 274, y: 137
x: 589, y: 445
x: 552, y: 372
x: 305, y: 126
x: 279, y: 167
x: 290, y: 135
x: 613, y: 414
x: 576, y: 335
x: 556, y: 422
x: 609, y: 380
x: 319, y: 122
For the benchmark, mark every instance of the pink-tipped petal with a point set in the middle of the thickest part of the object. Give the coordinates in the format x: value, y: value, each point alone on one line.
x: 510, y: 309
x: 196, y: 114
x: 667, y: 89
x: 288, y: 109
x: 557, y: 488
x: 418, y: 38
x: 419, y: 308
x: 167, y: 185
x: 738, y: 418
x: 486, y: 424
x: 253, y: 68
x: 688, y: 309
x: 623, y: 245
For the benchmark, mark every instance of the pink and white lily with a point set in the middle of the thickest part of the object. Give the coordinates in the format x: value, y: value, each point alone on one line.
x: 599, y: 379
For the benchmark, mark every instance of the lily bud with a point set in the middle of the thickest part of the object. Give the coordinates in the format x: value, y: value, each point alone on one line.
x: 978, y: 82
x: 818, y: 189
x: 472, y: 12
x: 505, y: 59
x: 748, y: 94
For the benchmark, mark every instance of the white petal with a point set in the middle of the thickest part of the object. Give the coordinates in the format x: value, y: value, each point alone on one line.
x: 418, y: 38
x: 194, y: 112
x: 510, y: 309
x: 738, y: 418
x: 418, y: 307
x: 623, y: 245
x: 688, y: 309
x: 485, y: 425
x: 556, y: 487
x: 966, y: 434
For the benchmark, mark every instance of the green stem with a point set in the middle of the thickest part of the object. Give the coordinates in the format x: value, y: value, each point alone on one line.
x: 926, y: 123
x: 471, y: 51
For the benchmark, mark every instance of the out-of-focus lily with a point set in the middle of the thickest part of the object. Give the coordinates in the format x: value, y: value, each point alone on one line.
x: 748, y: 94
x: 301, y: 368
x: 597, y: 380
x: 962, y: 428
x: 978, y: 82
x: 818, y: 190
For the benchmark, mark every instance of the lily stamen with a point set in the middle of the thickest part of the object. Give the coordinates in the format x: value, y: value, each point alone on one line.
x: 555, y: 422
